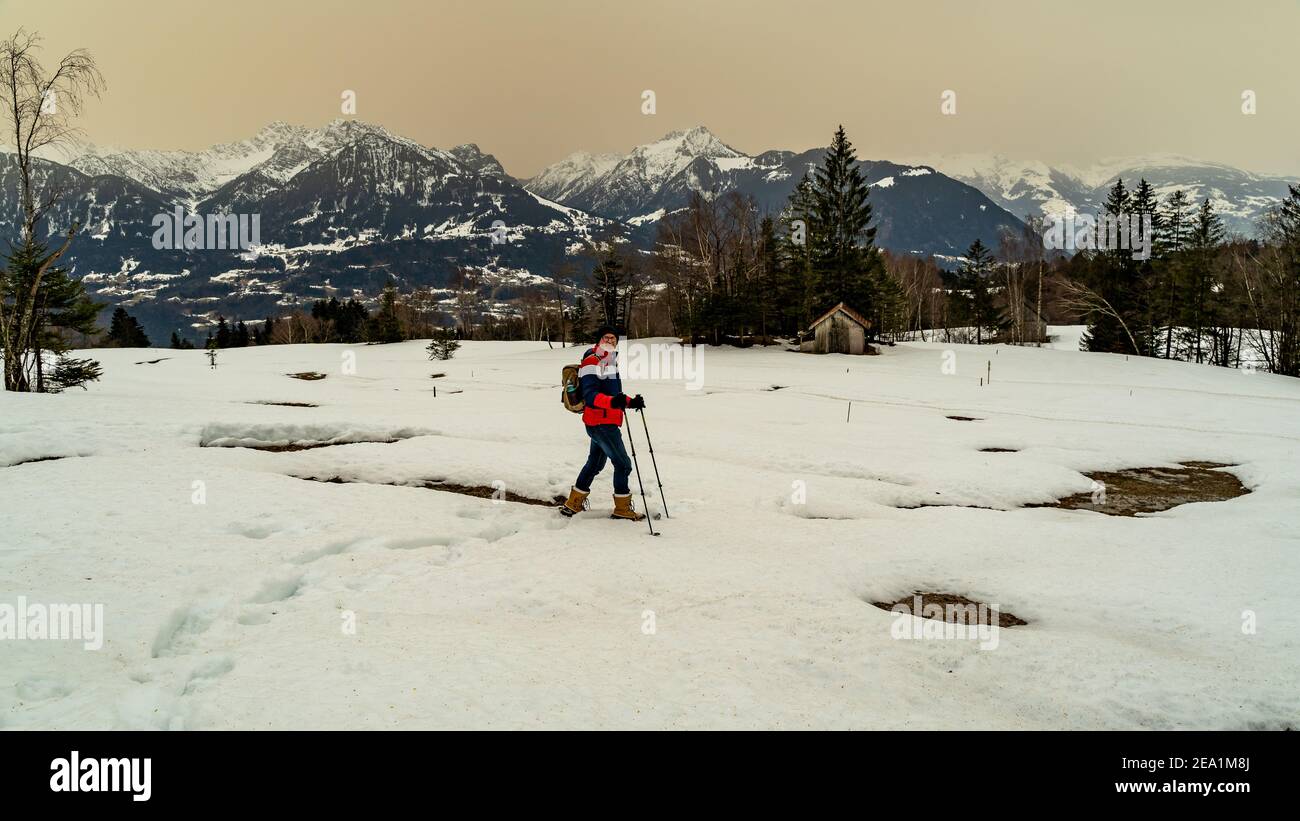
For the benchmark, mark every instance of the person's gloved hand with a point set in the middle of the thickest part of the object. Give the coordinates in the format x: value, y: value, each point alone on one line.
x: 619, y: 402
x: 636, y: 403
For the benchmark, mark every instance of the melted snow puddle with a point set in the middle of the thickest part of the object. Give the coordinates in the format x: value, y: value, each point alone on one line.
x: 478, y: 491
x: 1153, y: 489
x: 952, y: 608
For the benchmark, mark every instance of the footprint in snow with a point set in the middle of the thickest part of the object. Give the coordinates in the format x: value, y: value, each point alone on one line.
x: 274, y: 590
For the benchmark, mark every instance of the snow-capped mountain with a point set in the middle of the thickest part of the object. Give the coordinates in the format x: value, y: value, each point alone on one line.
x: 569, y: 179
x: 647, y: 178
x: 1033, y: 187
x: 917, y: 209
x: 339, y: 208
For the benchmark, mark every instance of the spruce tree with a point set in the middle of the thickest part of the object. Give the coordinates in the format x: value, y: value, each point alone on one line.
x: 223, y: 333
x: 1145, y: 206
x: 798, y: 224
x: 61, y: 309
x: 443, y: 345
x: 1171, y: 241
x: 769, y: 298
x: 386, y: 326
x: 125, y: 332
x: 974, y: 281
x: 1122, y: 327
x: 1202, y: 276
x: 841, y: 240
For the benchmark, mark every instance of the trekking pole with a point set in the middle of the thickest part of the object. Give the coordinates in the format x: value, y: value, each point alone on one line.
x: 651, y: 445
x: 645, y: 505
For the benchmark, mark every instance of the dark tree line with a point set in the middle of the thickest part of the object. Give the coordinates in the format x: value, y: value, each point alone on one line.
x: 1201, y: 296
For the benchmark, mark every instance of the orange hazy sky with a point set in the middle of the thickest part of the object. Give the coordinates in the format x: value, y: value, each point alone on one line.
x: 532, y: 82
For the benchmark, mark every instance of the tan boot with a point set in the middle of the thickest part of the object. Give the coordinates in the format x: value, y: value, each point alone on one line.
x: 576, y: 503
x: 623, y: 509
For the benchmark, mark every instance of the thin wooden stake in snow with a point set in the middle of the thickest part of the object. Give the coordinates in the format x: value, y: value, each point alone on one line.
x: 990, y: 371
x: 850, y: 412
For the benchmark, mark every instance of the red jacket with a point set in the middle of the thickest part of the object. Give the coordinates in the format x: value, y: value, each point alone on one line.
x: 598, y: 376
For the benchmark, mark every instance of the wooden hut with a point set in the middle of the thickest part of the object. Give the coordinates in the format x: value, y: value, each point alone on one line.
x: 839, y: 330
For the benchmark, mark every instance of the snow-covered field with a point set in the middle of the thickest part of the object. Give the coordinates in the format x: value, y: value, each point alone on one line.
x: 238, y: 596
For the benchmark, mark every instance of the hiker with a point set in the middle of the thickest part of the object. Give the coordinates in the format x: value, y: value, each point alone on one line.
x: 602, y: 393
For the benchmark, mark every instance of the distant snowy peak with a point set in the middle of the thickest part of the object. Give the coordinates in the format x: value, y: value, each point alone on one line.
x: 1028, y: 187
x: 277, y: 152
x: 649, y: 177
x: 569, y: 177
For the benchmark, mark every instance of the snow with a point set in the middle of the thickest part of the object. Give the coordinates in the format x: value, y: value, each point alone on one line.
x: 653, y: 216
x: 734, y: 163
x: 228, y: 584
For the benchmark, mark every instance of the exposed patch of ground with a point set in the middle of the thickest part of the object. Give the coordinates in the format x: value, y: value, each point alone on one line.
x: 999, y: 450
x: 777, y: 387
x: 1151, y: 490
x: 952, y: 608
x: 437, y: 375
x: 310, y: 376
x: 287, y: 404
x: 965, y: 418
x: 37, y: 459
x: 153, y: 361
x: 478, y: 491
x: 294, y: 447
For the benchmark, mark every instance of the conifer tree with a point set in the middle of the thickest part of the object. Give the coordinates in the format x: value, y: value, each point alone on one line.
x: 386, y: 326
x: 973, y: 279
x: 1121, y: 328
x: 443, y: 345
x: 125, y: 332
x: 1171, y: 241
x: 771, y: 276
x: 798, y: 223
x: 1144, y: 207
x: 1202, y: 276
x: 223, y: 333
x: 841, y: 240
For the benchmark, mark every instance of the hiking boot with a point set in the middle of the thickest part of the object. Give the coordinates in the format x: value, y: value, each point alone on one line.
x: 576, y: 503
x: 623, y: 509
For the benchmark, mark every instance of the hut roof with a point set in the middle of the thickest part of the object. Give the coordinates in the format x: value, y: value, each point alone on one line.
x: 849, y: 312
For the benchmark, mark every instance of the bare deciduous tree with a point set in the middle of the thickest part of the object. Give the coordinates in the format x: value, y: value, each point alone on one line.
x: 39, y: 107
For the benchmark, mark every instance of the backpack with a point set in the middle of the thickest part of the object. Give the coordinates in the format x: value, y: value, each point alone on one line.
x: 570, y: 390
